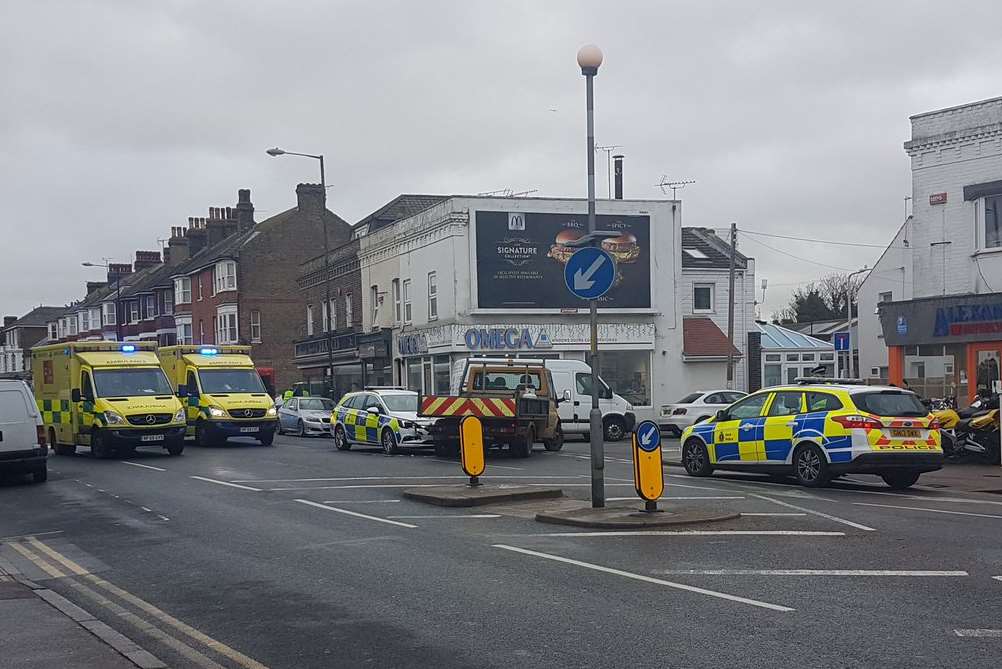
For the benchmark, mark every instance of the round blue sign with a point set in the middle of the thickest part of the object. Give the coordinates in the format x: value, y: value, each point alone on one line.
x: 648, y: 436
x: 590, y: 273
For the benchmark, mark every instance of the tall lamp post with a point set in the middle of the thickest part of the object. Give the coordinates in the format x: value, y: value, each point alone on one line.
x: 118, y: 296
x: 329, y: 308
x: 589, y: 59
x: 848, y: 317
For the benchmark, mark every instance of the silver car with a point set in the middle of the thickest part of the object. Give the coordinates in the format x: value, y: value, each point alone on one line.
x: 305, y: 416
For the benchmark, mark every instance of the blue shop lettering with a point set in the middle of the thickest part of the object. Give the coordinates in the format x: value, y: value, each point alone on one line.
x: 498, y: 338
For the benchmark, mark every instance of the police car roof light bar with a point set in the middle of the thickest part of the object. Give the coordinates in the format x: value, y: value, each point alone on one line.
x: 811, y: 380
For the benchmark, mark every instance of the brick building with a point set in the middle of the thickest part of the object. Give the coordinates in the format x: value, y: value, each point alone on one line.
x: 19, y: 335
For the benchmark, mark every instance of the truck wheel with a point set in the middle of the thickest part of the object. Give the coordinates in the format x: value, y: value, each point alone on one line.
x: 98, y: 448
x: 40, y: 475
x: 810, y: 466
x: 175, y: 446
x: 523, y: 447
x: 900, y: 480
x: 557, y: 442
x: 615, y: 428
x: 389, y: 442
x: 341, y: 439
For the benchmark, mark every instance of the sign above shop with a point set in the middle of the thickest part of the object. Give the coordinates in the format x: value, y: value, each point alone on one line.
x: 498, y: 339
x: 937, y: 198
x: 966, y: 318
x: 412, y: 344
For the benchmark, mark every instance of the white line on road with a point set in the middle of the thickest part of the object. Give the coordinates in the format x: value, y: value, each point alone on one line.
x: 691, y: 533
x: 778, y: 513
x: 226, y: 483
x: 817, y: 513
x: 646, y: 579
x: 136, y: 464
x: 396, y: 478
x: 997, y: 578
x: 361, y: 501
x: 492, y: 465
x: 995, y: 634
x: 426, y: 485
x: 355, y: 514
x: 460, y: 515
x: 919, y: 508
x: 926, y: 498
x: 667, y: 498
x: 805, y: 572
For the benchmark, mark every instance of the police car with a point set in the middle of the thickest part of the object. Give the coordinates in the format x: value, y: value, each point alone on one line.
x: 817, y: 430
x: 384, y: 417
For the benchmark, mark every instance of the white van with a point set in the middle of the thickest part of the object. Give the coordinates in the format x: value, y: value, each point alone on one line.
x: 23, y: 448
x: 618, y: 418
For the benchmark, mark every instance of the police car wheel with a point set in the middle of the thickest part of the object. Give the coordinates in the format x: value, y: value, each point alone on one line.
x: 388, y: 442
x: 695, y: 459
x: 900, y: 480
x: 341, y: 439
x: 810, y: 466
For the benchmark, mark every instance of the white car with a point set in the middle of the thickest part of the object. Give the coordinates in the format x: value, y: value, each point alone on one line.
x: 694, y: 407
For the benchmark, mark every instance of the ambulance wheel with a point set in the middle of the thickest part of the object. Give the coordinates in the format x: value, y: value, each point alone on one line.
x: 202, y: 437
x: 389, y: 442
x: 523, y: 447
x: 557, y: 442
x: 267, y: 439
x: 810, y: 466
x: 61, y: 449
x: 900, y: 480
x: 98, y: 448
x: 175, y: 446
x: 695, y: 459
x: 341, y: 439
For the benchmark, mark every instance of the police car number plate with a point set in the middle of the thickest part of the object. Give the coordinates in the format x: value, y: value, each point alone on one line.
x: 152, y: 437
x: 247, y: 430
x: 906, y: 434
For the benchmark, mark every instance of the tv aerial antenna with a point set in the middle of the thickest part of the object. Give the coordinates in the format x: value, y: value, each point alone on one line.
x: 674, y: 184
x: 608, y: 162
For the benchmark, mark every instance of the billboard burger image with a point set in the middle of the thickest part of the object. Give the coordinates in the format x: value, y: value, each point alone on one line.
x: 523, y: 268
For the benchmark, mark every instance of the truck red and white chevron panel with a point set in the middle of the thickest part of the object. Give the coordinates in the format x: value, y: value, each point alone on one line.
x: 482, y: 407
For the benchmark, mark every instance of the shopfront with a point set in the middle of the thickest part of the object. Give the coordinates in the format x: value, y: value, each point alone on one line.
x: 430, y: 360
x: 944, y: 347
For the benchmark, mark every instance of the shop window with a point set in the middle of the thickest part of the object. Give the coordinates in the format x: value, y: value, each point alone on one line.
x: 772, y: 375
x: 414, y: 374
x: 443, y: 374
x: 628, y: 373
x: 702, y: 298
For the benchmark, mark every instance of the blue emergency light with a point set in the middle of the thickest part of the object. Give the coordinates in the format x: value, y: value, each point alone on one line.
x: 128, y: 348
x: 208, y: 351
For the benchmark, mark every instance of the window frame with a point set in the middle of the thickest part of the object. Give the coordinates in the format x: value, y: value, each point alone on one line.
x: 775, y: 396
x: 182, y: 290
x: 746, y: 400
x: 310, y: 324
x: 398, y: 312
x: 227, y: 325
x: 133, y: 311
x: 408, y: 305
x: 225, y: 274
x: 373, y: 304
x: 981, y: 221
x: 432, y: 296
x: 150, y: 304
x: 713, y: 289
x: 255, y: 323
x: 349, y: 311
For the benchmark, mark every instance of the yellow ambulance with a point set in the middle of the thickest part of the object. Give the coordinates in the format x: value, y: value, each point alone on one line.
x: 223, y: 393
x: 108, y: 396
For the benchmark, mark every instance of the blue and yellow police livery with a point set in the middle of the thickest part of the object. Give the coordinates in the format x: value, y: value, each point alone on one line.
x: 384, y: 417
x: 816, y: 431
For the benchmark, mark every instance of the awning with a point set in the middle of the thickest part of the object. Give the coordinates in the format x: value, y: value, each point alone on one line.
x: 703, y: 340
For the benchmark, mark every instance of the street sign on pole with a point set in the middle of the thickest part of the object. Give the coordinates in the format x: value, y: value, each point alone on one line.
x: 841, y: 341
x: 471, y: 448
x: 648, y: 472
x: 590, y: 273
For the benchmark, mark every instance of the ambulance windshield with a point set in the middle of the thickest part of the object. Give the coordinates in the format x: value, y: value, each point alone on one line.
x: 222, y: 381
x: 131, y: 382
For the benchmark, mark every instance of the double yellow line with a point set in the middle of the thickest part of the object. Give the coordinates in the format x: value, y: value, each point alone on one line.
x: 57, y: 565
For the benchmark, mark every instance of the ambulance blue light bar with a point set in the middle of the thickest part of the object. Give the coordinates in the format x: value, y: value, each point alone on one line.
x: 208, y: 351
x: 128, y: 348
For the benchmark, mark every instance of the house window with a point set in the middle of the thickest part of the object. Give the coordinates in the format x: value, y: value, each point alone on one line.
x: 397, y: 314
x: 702, y: 298
x: 53, y: 331
x: 432, y: 296
x: 373, y: 305
x: 168, y: 302
x: 988, y: 214
x: 109, y: 313
x: 885, y: 297
x: 309, y: 320
x: 226, y: 326
x: 85, y: 320
x: 184, y: 331
x: 133, y: 311
x: 255, y: 325
x: 151, y: 306
x: 326, y: 315
x: 226, y: 276
x: 333, y: 313
x: 198, y: 279
x: 182, y: 291
x: 407, y: 301
x: 201, y: 331
x: 348, y: 315
x: 95, y: 318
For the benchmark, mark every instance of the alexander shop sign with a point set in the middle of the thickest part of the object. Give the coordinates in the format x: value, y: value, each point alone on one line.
x: 969, y: 318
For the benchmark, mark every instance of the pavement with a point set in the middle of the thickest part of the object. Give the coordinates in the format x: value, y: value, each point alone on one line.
x: 303, y: 556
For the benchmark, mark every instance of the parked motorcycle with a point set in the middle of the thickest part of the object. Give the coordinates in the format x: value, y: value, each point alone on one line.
x: 971, y: 431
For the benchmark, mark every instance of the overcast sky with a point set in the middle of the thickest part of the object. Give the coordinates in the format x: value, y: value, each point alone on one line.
x: 121, y: 118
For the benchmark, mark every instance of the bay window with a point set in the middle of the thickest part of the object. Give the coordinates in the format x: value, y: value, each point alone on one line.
x: 226, y: 325
x: 182, y: 291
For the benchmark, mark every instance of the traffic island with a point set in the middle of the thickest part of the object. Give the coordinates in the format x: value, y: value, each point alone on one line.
x: 627, y: 516
x: 464, y: 495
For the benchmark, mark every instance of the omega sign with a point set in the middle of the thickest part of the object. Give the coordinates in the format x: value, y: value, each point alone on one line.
x: 504, y: 338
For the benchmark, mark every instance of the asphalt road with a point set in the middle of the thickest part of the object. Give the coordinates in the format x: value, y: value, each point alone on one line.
x: 222, y: 557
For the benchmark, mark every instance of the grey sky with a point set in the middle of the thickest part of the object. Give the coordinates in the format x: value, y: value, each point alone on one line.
x: 122, y: 118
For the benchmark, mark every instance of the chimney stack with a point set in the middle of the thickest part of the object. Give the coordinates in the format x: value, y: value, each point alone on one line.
x: 244, y: 210
x: 95, y: 285
x: 177, y: 247
x: 118, y: 270
x: 9, y: 320
x: 146, y: 259
x: 617, y: 162
x: 310, y: 198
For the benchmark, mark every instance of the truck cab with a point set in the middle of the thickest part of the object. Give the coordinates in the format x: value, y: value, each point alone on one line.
x: 223, y: 392
x: 108, y: 396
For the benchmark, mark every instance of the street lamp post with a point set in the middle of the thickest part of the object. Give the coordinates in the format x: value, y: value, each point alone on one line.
x: 118, y: 296
x: 589, y: 59
x: 848, y: 318
x: 275, y: 152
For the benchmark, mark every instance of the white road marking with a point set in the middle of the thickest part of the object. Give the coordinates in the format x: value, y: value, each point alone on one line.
x: 926, y: 498
x: 355, y: 514
x: 490, y: 464
x: 806, y: 572
x: 397, y: 478
x: 997, y: 578
x: 461, y: 515
x: 146, y: 509
x: 426, y: 485
x: 792, y: 513
x: 226, y: 483
x: 919, y: 508
x: 995, y: 634
x: 137, y: 464
x: 668, y: 498
x: 691, y: 533
x: 646, y: 579
x: 817, y: 513
x: 361, y: 501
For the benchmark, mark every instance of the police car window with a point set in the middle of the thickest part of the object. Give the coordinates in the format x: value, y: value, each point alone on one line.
x: 401, y: 402
x: 750, y: 407
x: 823, y: 402
x: 890, y: 403
x: 353, y: 402
x: 785, y: 404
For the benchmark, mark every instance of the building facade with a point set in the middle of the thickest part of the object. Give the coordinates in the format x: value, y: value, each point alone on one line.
x: 19, y: 335
x: 922, y: 309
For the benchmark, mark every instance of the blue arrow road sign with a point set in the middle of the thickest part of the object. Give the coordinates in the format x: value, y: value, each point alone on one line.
x: 590, y: 273
x: 648, y: 436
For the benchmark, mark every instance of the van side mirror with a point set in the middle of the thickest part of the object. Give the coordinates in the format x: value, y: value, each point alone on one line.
x: 75, y: 395
x: 182, y: 390
x: 567, y: 395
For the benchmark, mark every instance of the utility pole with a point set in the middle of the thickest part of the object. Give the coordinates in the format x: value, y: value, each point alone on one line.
x: 730, y: 307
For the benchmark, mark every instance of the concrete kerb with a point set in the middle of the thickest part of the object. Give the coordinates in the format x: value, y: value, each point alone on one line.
x: 625, y: 516
x: 466, y: 496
